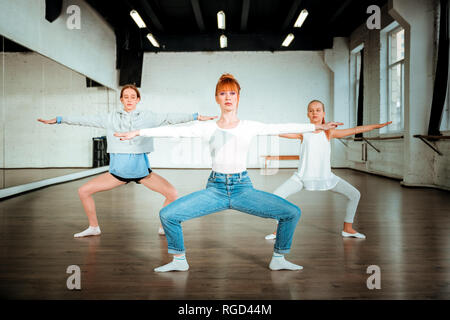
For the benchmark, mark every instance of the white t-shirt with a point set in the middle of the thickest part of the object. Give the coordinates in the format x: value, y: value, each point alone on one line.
x: 228, y: 147
x: 314, y: 168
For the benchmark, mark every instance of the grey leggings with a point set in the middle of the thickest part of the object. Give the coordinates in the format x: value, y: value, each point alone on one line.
x: 294, y: 185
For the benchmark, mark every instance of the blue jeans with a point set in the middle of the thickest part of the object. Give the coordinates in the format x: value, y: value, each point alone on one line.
x: 229, y: 191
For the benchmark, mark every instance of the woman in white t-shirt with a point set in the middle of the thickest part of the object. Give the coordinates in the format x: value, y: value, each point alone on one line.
x: 229, y: 186
x: 314, y: 170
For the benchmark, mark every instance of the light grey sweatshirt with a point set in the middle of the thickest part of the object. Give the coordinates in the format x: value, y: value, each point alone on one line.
x: 122, y: 121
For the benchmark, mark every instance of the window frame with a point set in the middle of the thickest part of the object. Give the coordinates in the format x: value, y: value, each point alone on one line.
x: 389, y: 68
x: 355, y: 78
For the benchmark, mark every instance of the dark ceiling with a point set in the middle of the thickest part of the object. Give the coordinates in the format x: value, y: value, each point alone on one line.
x: 251, y: 25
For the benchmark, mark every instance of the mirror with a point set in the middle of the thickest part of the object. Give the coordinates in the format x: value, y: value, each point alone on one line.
x: 34, y: 86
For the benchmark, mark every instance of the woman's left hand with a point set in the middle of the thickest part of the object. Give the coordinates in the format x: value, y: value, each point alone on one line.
x: 205, y: 118
x: 381, y: 125
x: 127, y: 135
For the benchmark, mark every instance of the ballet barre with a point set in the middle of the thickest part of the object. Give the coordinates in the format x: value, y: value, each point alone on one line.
x: 285, y: 157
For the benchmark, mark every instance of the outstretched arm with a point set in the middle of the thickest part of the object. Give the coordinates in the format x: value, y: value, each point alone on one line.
x: 328, y: 125
x: 50, y: 121
x: 99, y: 121
x: 192, y: 131
x: 291, y: 135
x: 341, y: 133
x: 164, y: 119
x: 205, y: 118
x: 286, y: 128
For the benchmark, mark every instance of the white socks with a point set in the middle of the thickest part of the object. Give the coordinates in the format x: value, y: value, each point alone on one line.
x: 279, y: 263
x: 178, y: 264
x: 91, y: 231
x: 271, y: 236
x: 94, y: 231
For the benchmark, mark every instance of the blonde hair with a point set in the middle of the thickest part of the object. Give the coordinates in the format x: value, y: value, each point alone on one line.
x: 323, y: 107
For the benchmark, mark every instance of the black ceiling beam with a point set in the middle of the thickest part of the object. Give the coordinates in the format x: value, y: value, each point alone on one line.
x: 53, y: 9
x: 198, y: 15
x: 244, y: 16
x: 152, y: 15
x: 291, y: 14
x: 339, y: 11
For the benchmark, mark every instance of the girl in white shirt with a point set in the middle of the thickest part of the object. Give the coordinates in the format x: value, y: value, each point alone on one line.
x: 229, y: 186
x: 314, y: 170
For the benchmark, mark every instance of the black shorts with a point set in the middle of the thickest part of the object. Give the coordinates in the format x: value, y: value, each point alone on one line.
x: 127, y: 180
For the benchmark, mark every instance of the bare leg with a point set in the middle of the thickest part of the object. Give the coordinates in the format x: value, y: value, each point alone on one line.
x: 158, y: 184
x: 348, y: 227
x: 103, y: 182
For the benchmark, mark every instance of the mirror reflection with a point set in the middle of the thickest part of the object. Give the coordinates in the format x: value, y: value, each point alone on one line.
x: 34, y: 86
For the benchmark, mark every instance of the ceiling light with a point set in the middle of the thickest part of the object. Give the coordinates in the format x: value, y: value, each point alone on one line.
x: 301, y: 18
x: 137, y: 18
x: 221, y: 20
x: 152, y: 40
x: 288, y: 40
x: 223, y: 41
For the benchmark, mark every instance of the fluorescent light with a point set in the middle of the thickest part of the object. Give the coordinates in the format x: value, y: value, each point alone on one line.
x: 223, y: 41
x: 301, y: 18
x: 288, y: 40
x: 221, y: 20
x: 137, y: 18
x: 152, y: 40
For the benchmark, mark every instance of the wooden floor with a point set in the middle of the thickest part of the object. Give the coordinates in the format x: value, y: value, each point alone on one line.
x: 408, y: 237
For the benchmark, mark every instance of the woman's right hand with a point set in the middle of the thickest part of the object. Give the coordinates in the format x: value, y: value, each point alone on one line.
x: 127, y: 135
x: 51, y: 121
x: 330, y: 125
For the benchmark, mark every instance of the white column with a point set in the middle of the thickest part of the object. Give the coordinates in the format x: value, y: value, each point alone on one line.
x: 337, y: 59
x: 417, y: 18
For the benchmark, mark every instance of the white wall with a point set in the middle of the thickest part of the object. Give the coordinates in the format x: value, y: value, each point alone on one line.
x: 90, y: 50
x: 37, y: 87
x: 409, y: 158
x: 337, y: 59
x: 275, y: 88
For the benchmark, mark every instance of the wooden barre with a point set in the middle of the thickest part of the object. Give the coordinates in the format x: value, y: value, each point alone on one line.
x: 267, y: 158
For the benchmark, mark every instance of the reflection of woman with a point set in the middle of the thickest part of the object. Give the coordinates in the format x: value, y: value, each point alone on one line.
x: 229, y: 186
x: 128, y: 159
x: 314, y: 171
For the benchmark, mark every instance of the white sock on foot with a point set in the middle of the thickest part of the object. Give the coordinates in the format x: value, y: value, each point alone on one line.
x: 177, y: 264
x: 278, y: 262
x: 91, y: 231
x: 271, y: 236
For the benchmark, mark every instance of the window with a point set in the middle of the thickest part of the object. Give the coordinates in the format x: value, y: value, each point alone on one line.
x: 396, y: 79
x: 355, y: 76
x: 445, y: 119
